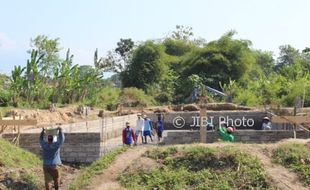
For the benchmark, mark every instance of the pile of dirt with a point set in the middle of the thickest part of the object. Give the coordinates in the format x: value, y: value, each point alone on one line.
x: 210, y: 106
x: 46, y: 118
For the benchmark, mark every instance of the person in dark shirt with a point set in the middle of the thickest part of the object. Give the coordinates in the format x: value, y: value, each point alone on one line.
x: 159, y: 128
x: 51, y: 158
x: 128, y: 135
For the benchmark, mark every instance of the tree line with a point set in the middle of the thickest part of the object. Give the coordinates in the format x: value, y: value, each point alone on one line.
x: 162, y: 71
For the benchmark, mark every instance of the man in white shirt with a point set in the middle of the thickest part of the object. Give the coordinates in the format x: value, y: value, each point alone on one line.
x: 266, y: 124
x: 139, y: 128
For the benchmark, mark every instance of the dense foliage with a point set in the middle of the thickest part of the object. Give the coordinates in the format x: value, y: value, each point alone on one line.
x: 167, y: 70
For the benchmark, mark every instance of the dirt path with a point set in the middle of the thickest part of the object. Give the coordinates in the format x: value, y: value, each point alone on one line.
x: 68, y: 174
x: 279, y: 176
x: 108, y: 179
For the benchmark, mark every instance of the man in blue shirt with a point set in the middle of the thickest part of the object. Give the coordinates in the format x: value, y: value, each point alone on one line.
x: 148, y: 127
x: 159, y: 128
x: 51, y: 158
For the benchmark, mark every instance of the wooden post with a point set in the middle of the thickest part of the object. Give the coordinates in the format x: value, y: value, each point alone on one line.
x: 203, y: 129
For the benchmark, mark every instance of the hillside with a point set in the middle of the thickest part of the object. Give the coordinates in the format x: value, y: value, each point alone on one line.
x: 19, y: 169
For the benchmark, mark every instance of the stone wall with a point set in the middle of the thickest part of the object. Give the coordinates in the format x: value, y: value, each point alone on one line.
x: 109, y: 127
x: 78, y: 147
x: 249, y: 119
x: 85, y: 141
x: 244, y: 136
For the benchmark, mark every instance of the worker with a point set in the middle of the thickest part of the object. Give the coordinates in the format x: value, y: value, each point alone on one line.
x: 139, y: 128
x: 147, y: 129
x: 51, y: 158
x: 226, y: 133
x: 266, y: 124
x: 159, y: 128
x: 128, y: 135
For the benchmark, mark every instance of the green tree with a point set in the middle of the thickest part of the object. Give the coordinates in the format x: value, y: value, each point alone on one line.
x: 33, y: 85
x: 49, y: 50
x: 182, y: 33
x: 288, y: 55
x: 264, y: 60
x: 147, y: 66
x: 220, y: 61
x: 16, y: 84
x: 118, y: 59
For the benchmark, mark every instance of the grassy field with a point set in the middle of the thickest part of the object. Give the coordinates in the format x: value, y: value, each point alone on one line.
x: 295, y: 156
x: 198, y: 167
x: 20, y: 166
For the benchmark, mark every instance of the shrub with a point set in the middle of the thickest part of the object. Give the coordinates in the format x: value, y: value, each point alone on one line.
x: 107, y: 98
x: 4, y: 98
x: 133, y: 97
x: 247, y: 98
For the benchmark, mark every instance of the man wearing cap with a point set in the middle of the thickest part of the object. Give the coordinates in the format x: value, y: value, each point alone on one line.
x: 139, y: 128
x: 128, y: 135
x: 51, y: 158
x: 266, y: 124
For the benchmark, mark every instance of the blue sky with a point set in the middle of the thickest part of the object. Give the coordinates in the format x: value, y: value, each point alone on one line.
x: 84, y: 25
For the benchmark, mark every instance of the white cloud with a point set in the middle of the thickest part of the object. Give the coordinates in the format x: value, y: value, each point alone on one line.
x: 6, y: 43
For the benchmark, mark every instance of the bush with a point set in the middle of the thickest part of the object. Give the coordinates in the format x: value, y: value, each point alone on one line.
x: 133, y: 97
x: 4, y: 98
x: 107, y: 98
x: 247, y: 98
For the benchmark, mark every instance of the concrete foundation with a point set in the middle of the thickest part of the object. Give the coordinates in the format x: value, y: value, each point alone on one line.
x: 243, y: 136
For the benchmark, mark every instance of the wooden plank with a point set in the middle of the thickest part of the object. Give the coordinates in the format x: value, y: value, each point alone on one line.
x: 290, y: 119
x: 18, y: 122
x: 203, y: 129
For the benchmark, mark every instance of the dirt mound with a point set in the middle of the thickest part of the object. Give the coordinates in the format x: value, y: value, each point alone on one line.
x: 191, y: 107
x: 45, y: 117
x: 210, y: 106
x: 143, y: 164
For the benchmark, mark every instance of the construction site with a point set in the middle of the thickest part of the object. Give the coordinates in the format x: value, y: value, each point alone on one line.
x: 92, y: 136
x: 155, y: 95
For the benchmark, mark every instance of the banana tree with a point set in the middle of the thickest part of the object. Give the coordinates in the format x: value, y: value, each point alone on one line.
x: 32, y: 82
x: 16, y: 84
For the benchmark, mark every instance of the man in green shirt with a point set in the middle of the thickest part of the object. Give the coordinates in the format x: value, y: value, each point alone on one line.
x: 226, y: 133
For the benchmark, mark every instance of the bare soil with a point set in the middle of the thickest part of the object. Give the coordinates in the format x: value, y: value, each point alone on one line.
x: 108, y: 178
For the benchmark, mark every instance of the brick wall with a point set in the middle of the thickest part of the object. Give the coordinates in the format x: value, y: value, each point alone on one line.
x: 78, y: 147
x: 244, y: 136
x: 214, y: 117
x: 84, y: 141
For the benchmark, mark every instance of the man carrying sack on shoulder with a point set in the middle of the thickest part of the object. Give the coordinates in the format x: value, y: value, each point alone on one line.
x: 51, y: 158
